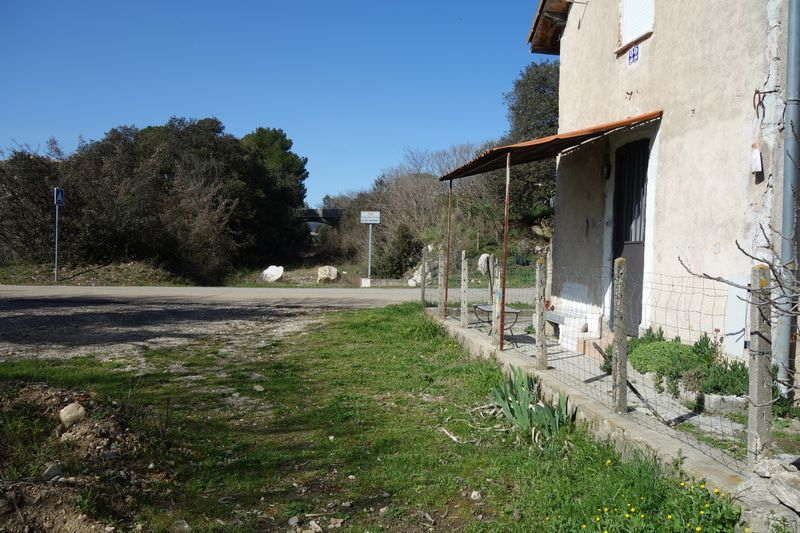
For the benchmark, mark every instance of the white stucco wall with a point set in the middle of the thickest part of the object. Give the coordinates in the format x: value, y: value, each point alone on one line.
x: 702, y: 66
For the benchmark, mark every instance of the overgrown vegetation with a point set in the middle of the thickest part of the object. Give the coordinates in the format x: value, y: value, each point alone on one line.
x: 184, y: 195
x: 700, y: 367
x: 347, y: 427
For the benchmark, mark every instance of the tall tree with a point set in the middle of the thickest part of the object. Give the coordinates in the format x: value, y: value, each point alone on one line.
x: 273, y: 149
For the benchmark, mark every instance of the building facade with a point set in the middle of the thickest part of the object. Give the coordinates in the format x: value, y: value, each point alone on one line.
x: 692, y: 184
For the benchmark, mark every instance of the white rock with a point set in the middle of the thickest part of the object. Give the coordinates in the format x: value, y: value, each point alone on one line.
x: 786, y: 487
x: 272, y: 273
x: 327, y: 273
x: 316, y: 528
x: 383, y: 510
x: 258, y: 388
x: 767, y: 468
x: 72, y: 414
x: 52, y: 470
x: 293, y: 521
x: 475, y: 496
x: 180, y: 526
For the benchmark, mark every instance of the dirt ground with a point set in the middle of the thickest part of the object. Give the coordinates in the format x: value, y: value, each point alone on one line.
x: 42, y: 327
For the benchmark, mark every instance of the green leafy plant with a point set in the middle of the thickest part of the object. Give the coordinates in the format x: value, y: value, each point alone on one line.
x: 607, y: 366
x: 516, y: 396
x: 519, y: 398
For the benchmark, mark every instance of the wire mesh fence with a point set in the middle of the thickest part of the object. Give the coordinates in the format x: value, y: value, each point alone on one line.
x: 686, y: 343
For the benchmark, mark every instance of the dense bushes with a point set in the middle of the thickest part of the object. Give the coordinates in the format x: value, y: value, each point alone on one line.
x: 184, y: 195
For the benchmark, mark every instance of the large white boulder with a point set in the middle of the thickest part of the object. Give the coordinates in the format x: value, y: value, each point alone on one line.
x: 72, y: 414
x: 327, y: 273
x: 484, y: 264
x: 272, y: 273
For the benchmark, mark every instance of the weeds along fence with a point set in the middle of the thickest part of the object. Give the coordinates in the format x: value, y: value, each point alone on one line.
x: 684, y: 352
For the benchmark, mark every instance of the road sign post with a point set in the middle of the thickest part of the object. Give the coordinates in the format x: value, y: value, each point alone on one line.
x: 58, y: 201
x: 370, y: 218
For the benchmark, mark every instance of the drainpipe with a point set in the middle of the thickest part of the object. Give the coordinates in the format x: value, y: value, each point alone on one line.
x: 784, y: 328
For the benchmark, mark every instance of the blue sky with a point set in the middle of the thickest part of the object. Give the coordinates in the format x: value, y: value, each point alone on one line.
x: 352, y: 82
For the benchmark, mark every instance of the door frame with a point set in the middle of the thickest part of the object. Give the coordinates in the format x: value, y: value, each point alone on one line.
x: 652, y: 132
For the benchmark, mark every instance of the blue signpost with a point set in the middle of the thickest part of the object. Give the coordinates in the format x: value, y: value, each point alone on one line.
x: 58, y: 201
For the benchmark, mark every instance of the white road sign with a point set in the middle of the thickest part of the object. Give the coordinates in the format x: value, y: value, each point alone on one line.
x: 58, y: 196
x: 370, y: 217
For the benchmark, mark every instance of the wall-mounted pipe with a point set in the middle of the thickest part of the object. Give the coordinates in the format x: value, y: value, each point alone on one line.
x: 783, y: 327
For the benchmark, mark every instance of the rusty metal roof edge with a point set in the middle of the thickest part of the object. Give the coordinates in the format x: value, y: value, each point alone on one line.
x: 599, y: 129
x: 553, y: 50
x: 536, y: 19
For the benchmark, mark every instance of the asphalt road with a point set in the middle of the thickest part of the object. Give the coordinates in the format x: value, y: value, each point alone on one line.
x: 322, y: 297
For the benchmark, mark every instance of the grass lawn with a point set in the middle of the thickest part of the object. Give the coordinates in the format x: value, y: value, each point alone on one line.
x: 347, y: 427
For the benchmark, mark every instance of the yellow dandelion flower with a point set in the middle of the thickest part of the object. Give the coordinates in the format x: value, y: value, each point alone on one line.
x: 583, y: 526
x: 716, y: 491
x: 608, y: 461
x: 707, y: 505
x: 703, y: 485
x: 683, y: 484
x: 698, y: 528
x: 633, y: 509
x: 596, y: 518
x: 669, y: 517
x: 702, y: 512
x: 605, y: 509
x: 627, y: 515
x: 641, y: 516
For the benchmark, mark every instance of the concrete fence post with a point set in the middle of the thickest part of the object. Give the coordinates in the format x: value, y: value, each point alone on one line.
x: 441, y: 283
x: 464, y: 287
x: 539, y: 298
x: 423, y: 275
x: 620, y: 362
x: 759, y: 411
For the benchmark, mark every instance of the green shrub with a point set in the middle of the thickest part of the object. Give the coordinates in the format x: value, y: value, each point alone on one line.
x: 723, y: 377
x: 699, y: 366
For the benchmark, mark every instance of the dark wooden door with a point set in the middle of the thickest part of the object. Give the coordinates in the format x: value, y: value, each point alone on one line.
x: 630, y: 189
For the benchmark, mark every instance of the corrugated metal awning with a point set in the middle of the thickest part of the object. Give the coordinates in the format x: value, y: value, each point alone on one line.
x: 542, y: 148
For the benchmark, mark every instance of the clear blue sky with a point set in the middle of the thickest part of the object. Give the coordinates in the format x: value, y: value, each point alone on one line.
x: 352, y: 82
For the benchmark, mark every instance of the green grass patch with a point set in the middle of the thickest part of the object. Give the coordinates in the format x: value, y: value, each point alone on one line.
x: 352, y: 413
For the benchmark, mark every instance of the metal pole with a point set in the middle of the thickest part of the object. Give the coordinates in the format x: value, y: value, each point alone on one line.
x: 369, y: 254
x: 55, y: 263
x: 464, y: 287
x: 447, y: 257
x: 424, y: 273
x: 783, y: 327
x: 503, y: 274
